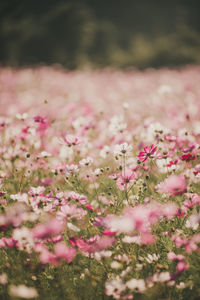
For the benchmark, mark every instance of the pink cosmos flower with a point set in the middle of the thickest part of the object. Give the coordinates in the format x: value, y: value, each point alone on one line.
x: 39, y: 119
x: 52, y: 227
x: 172, y: 256
x: 89, y: 207
x: 104, y: 243
x: 147, y: 153
x: 179, y: 241
x: 62, y: 251
x: 124, y: 181
x: 54, y: 239
x: 35, y: 191
x: 140, y: 218
x: 73, y: 211
x: 43, y: 124
x: 180, y: 213
x: 71, y: 140
x: 7, y: 242
x: 143, y: 216
x: 76, y: 196
x: 109, y: 233
x: 148, y: 238
x: 170, y: 209
x: 171, y: 163
x: 93, y: 244
x: 60, y: 168
x: 174, y: 184
x: 79, y: 243
x: 188, y: 157
x: 196, y: 200
x: 48, y: 257
x: 181, y: 266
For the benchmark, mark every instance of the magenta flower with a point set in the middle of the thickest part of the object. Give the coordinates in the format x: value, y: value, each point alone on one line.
x: 39, y: 119
x: 188, y: 157
x: 108, y: 232
x: 43, y: 124
x: 147, y: 153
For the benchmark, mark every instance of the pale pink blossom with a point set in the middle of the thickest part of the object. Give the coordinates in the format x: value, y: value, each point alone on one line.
x: 71, y: 140
x: 181, y: 266
x: 48, y: 229
x: 174, y: 185
x: 62, y: 251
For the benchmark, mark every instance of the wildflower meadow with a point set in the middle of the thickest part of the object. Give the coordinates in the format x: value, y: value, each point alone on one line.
x: 100, y: 184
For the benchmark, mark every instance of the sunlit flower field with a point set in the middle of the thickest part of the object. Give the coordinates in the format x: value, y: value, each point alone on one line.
x: 99, y: 184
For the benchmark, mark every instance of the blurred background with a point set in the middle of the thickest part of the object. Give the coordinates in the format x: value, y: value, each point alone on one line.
x: 100, y: 33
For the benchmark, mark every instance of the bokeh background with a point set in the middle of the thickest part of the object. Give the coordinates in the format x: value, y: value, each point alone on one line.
x: 100, y: 33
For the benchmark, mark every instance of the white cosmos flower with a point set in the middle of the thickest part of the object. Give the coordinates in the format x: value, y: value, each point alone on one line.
x: 86, y: 161
x: 22, y: 291
x: 136, y: 284
x: 117, y: 124
x: 123, y: 149
x: 105, y: 151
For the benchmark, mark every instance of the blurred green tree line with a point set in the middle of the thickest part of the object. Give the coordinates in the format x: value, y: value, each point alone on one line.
x: 99, y: 33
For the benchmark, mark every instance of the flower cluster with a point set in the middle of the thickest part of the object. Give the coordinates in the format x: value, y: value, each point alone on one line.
x: 99, y: 185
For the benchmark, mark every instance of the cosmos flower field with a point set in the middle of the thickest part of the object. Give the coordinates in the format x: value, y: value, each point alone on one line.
x: 99, y: 184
